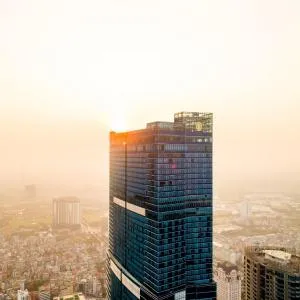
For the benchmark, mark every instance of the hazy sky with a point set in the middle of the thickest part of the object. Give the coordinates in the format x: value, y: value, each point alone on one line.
x: 71, y: 69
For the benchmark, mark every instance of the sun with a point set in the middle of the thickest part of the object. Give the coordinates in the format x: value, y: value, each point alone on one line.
x: 118, y: 123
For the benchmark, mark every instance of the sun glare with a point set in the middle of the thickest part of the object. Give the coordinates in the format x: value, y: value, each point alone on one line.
x: 118, y: 123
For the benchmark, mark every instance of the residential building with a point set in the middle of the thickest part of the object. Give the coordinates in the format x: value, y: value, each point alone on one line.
x: 44, y: 295
x: 77, y: 296
x: 229, y: 282
x: 23, y: 295
x: 4, y: 297
x: 66, y: 211
x: 271, y: 273
x: 160, y: 222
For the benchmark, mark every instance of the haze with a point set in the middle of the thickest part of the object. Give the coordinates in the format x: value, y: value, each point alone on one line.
x: 72, y: 70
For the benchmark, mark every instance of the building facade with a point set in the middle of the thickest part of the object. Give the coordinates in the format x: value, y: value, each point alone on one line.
x: 77, y: 296
x: 271, y: 273
x: 229, y: 282
x: 66, y: 211
x: 160, y: 222
x: 44, y: 295
x: 23, y: 295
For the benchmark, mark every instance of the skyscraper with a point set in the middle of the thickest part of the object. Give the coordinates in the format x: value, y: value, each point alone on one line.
x: 271, y: 273
x: 160, y: 222
x: 66, y: 211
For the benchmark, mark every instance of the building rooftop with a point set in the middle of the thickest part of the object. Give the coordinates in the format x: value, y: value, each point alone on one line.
x: 189, y: 121
x: 227, y: 267
x: 277, y: 258
x: 278, y: 254
x: 70, y: 199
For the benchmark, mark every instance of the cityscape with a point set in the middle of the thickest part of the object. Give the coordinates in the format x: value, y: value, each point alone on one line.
x: 149, y: 150
x: 73, y: 253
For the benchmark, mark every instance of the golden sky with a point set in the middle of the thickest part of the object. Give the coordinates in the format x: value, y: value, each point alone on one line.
x: 123, y: 63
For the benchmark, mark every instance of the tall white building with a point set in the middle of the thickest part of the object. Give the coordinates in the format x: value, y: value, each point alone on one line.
x: 229, y: 282
x: 23, y: 295
x: 245, y: 209
x: 66, y: 211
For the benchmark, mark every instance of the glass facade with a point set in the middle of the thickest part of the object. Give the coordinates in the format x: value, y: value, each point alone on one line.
x: 160, y: 222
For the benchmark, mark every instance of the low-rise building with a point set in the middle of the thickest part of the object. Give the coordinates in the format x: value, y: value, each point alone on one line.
x: 77, y: 296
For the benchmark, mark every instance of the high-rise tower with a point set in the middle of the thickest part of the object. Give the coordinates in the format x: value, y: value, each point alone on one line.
x: 66, y: 211
x: 160, y: 222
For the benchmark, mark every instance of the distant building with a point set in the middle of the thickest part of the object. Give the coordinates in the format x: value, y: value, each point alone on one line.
x: 90, y: 287
x: 229, y: 282
x: 22, y: 285
x: 66, y: 211
x: 77, y: 296
x: 44, y: 295
x: 67, y: 290
x: 34, y: 295
x: 83, y: 286
x: 30, y: 192
x: 245, y: 209
x: 23, y: 295
x: 271, y: 273
x: 4, y: 297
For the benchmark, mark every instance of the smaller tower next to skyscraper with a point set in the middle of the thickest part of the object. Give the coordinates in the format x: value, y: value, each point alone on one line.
x: 271, y: 273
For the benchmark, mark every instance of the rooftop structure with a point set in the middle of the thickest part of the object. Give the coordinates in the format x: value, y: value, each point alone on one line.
x: 194, y: 121
x: 227, y: 267
x: 278, y: 255
x: 189, y: 121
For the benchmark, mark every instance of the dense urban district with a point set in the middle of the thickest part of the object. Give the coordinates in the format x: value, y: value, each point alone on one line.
x: 39, y: 260
x: 43, y: 261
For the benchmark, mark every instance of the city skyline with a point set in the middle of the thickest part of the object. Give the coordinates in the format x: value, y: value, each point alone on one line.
x: 149, y: 150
